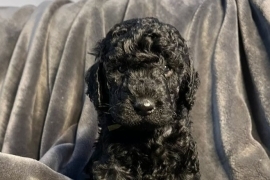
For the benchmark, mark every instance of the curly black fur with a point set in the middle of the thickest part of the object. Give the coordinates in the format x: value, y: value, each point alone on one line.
x: 143, y: 59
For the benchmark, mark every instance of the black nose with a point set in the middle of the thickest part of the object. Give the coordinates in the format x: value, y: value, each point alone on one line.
x: 144, y: 106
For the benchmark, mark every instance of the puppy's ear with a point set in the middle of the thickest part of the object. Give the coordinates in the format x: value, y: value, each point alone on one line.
x: 95, y: 81
x: 188, y: 86
x: 191, y: 87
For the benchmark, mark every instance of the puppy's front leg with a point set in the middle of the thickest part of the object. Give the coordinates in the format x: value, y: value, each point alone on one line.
x: 110, y: 171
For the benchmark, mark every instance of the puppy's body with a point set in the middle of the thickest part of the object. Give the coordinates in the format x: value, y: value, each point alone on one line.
x: 161, y: 153
x: 143, y: 86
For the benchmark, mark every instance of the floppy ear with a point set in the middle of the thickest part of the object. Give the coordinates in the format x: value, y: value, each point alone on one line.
x: 191, y: 88
x: 95, y: 81
x: 188, y: 86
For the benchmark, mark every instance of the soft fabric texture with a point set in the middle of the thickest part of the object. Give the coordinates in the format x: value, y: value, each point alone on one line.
x: 48, y: 125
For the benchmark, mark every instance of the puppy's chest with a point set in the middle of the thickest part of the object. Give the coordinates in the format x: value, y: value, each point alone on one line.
x: 149, y: 157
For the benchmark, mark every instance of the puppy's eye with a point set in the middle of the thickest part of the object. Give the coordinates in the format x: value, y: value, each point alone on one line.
x: 167, y: 71
x: 122, y: 69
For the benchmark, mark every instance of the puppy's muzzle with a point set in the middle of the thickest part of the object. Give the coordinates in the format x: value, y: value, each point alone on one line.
x: 144, y: 106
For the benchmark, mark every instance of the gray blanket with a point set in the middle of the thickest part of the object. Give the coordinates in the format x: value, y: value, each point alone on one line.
x: 48, y: 125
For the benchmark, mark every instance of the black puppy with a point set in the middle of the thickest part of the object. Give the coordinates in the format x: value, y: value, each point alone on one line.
x: 143, y: 85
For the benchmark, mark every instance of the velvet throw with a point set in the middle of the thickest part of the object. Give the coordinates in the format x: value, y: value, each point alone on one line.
x: 48, y: 125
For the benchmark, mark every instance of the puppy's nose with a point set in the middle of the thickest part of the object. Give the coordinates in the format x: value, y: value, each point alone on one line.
x: 144, y: 106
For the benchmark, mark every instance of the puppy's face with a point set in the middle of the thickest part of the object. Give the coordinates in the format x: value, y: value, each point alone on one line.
x: 143, y: 65
x: 141, y: 92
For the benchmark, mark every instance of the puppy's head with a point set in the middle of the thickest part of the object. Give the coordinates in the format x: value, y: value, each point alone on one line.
x: 143, y: 74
